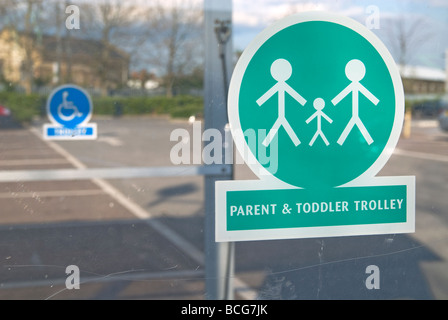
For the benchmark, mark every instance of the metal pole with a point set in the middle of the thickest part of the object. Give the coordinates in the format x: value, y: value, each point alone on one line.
x: 223, y: 32
x: 219, y: 260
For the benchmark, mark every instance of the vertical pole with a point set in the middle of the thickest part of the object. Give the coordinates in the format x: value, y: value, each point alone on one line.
x: 68, y: 52
x: 219, y: 257
x: 446, y: 71
x: 57, y: 67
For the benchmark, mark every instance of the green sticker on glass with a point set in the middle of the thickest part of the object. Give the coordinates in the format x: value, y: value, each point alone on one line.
x: 323, y: 94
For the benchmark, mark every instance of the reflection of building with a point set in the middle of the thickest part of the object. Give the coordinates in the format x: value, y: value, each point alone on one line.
x: 422, y: 80
x: 143, y: 80
x: 80, y: 61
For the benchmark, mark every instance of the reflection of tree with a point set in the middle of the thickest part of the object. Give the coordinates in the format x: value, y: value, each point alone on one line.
x: 111, y: 21
x: 24, y: 16
x: 406, y: 35
x: 152, y: 35
x: 174, y: 43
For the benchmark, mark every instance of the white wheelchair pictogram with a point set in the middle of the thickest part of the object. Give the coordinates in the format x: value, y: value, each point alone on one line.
x: 68, y: 105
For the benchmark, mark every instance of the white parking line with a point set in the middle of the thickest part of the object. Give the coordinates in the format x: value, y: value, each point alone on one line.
x: 75, y: 162
x: 114, y: 142
x: 134, y: 208
x: 421, y: 155
x: 245, y: 291
x: 49, y: 194
x: 425, y: 123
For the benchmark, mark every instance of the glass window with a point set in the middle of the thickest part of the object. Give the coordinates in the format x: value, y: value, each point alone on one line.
x: 114, y: 130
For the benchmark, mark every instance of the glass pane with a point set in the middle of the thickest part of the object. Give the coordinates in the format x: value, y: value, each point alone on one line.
x: 121, y: 204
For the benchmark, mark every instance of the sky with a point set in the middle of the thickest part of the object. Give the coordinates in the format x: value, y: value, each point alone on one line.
x: 428, y: 20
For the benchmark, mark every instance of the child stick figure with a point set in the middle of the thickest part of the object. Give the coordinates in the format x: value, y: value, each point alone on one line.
x: 355, y: 72
x: 281, y: 71
x: 319, y: 104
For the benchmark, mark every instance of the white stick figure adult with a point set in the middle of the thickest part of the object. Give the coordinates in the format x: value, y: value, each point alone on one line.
x: 319, y: 104
x: 355, y: 72
x: 281, y: 71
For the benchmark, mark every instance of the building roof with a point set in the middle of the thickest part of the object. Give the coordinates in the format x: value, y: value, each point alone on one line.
x: 422, y: 73
x: 78, y: 47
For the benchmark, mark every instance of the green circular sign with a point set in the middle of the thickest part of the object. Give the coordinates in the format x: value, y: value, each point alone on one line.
x: 322, y: 97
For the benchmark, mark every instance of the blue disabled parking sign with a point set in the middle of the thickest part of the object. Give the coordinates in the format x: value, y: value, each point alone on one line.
x: 69, y: 109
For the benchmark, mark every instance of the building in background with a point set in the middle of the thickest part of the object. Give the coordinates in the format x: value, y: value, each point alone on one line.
x: 51, y: 60
x: 419, y: 80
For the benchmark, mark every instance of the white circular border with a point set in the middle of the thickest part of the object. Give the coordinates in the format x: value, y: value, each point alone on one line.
x: 260, y: 39
x: 72, y: 86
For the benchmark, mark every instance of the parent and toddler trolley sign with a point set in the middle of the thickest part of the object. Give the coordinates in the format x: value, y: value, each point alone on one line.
x: 324, y: 92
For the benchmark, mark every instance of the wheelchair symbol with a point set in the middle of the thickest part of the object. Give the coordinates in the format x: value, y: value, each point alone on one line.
x: 68, y: 106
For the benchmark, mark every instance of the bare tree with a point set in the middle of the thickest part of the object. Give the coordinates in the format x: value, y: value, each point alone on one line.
x: 23, y: 18
x: 12, y: 13
x: 111, y: 21
x: 175, y: 42
x: 405, y: 36
x: 166, y: 37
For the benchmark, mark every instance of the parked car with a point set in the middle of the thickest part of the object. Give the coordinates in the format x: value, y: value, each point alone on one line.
x: 4, y: 112
x: 443, y: 118
x: 427, y: 109
x: 5, y: 117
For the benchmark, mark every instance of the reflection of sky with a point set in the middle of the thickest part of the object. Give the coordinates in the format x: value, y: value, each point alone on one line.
x: 251, y: 17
